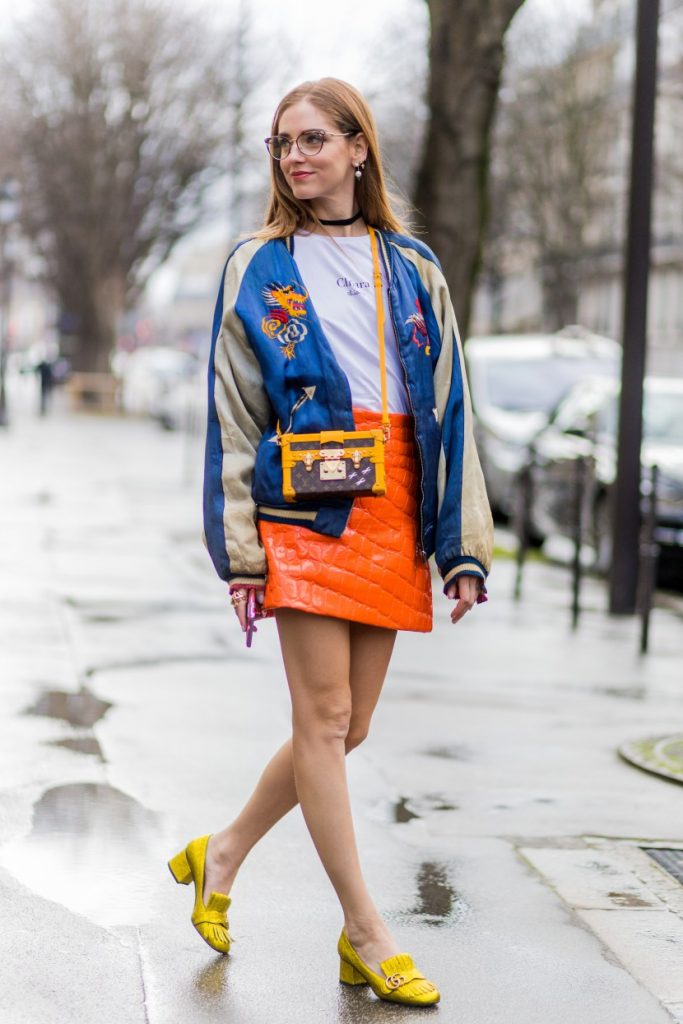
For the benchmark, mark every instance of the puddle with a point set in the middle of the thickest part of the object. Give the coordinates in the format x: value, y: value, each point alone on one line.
x: 402, y: 812
x: 81, y: 709
x: 95, y: 850
x: 112, y: 611
x: 171, y: 659
x: 81, y: 745
x: 437, y: 898
x: 453, y: 752
x: 626, y: 899
x: 622, y: 692
x: 408, y: 808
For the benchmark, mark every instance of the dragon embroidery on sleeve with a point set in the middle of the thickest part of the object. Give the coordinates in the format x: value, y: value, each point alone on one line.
x: 419, y: 336
x: 285, y: 320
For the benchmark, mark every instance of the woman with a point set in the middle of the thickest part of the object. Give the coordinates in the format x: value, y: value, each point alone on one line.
x: 295, y: 348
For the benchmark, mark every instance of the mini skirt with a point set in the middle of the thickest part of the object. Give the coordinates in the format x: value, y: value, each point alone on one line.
x: 374, y: 573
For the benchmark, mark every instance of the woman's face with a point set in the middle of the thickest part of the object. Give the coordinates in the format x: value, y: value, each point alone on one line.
x: 329, y: 174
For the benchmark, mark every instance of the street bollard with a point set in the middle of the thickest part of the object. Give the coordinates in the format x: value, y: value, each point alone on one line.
x: 579, y: 488
x: 522, y: 517
x: 649, y: 557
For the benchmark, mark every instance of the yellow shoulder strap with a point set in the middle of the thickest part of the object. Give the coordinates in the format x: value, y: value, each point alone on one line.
x: 377, y: 273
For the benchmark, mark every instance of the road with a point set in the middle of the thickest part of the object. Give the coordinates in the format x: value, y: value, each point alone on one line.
x: 500, y: 832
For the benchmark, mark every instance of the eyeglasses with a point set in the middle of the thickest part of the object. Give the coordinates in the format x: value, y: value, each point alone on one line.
x: 308, y: 143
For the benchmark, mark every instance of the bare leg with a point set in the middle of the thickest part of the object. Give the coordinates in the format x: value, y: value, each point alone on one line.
x: 275, y: 793
x: 318, y: 659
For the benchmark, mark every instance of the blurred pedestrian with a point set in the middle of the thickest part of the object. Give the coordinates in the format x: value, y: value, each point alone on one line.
x: 333, y: 318
x: 46, y: 382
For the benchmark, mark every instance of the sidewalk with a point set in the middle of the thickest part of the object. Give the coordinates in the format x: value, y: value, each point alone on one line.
x: 499, y: 830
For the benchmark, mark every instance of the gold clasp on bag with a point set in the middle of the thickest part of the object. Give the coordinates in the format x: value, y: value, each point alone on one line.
x: 332, y: 469
x: 332, y: 464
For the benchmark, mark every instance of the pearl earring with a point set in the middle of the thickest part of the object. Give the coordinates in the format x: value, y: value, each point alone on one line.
x: 359, y: 170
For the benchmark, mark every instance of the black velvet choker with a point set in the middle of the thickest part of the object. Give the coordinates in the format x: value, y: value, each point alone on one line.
x: 341, y: 223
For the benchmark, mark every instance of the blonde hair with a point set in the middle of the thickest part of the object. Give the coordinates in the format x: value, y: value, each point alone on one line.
x: 349, y: 112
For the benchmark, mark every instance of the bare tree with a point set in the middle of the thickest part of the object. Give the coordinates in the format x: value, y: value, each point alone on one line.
x: 395, y: 88
x: 554, y: 169
x: 466, y: 61
x: 119, y: 118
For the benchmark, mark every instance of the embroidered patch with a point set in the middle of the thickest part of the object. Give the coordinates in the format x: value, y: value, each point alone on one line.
x: 284, y: 322
x: 419, y: 336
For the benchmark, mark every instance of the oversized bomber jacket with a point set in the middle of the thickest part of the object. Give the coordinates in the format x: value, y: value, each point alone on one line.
x: 268, y: 346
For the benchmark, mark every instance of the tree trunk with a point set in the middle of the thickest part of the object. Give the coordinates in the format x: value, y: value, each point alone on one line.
x: 560, y: 292
x: 93, y: 312
x: 466, y: 62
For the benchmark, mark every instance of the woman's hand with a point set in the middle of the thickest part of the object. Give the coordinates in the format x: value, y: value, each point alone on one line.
x: 466, y: 589
x: 238, y: 599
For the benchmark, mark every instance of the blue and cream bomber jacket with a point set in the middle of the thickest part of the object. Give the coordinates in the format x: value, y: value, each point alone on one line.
x: 270, y: 361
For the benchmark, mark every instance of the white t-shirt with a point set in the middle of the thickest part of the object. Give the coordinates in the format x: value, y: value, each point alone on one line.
x: 339, y: 278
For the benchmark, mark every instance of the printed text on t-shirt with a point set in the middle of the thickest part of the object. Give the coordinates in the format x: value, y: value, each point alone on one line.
x: 352, y: 287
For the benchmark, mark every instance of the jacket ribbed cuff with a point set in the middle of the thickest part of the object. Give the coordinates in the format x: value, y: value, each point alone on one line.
x: 235, y: 582
x: 465, y: 565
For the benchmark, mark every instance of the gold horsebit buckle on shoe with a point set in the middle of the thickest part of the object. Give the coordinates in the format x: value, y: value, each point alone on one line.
x: 395, y: 980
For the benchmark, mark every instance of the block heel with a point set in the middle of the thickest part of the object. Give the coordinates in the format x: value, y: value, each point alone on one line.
x: 349, y: 975
x: 179, y: 866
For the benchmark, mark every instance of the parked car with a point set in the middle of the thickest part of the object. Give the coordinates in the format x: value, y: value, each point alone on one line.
x: 183, y: 404
x: 148, y: 375
x: 584, y: 425
x: 516, y: 381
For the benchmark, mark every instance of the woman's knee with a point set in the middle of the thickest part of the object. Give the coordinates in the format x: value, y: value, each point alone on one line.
x: 322, y: 718
x: 357, y: 732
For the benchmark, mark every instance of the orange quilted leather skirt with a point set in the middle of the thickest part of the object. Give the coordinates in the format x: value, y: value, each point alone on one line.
x: 373, y: 573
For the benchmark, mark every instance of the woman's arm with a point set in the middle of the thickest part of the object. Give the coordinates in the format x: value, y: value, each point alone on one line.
x: 238, y: 413
x: 464, y: 534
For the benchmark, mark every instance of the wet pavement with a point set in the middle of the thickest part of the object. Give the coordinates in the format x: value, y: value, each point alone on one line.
x: 500, y: 831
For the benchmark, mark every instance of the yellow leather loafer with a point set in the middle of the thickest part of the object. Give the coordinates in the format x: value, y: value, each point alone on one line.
x: 210, y: 920
x: 400, y: 982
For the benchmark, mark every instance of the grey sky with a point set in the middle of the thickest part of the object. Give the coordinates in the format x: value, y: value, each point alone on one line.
x: 333, y: 38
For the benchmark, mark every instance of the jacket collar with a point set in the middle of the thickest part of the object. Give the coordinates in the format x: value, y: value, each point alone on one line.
x: 289, y: 244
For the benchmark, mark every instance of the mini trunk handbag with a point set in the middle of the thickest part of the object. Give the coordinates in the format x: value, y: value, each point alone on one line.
x: 340, y: 463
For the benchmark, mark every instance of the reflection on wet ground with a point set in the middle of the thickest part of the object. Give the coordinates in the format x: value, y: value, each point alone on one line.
x: 79, y: 709
x: 81, y: 745
x: 622, y: 692
x: 402, y: 812
x: 211, y: 983
x: 93, y: 849
x: 171, y: 659
x: 453, y: 752
x: 420, y: 806
x: 437, y: 899
x: 111, y: 611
